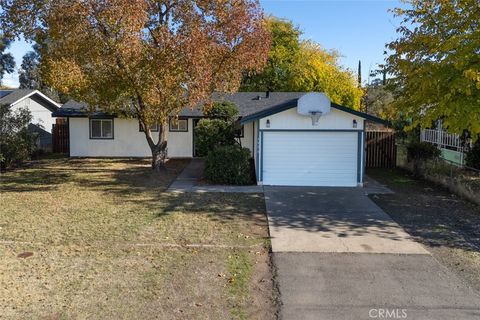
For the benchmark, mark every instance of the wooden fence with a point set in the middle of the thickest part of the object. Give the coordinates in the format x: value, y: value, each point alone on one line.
x: 60, y: 139
x: 381, y: 151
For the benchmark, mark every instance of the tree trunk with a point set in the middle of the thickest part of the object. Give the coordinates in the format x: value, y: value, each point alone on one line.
x: 158, y: 158
x: 159, y: 149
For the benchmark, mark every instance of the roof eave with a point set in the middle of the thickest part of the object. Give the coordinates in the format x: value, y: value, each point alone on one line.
x: 293, y: 103
x: 268, y: 112
x: 52, y: 103
x: 364, y: 115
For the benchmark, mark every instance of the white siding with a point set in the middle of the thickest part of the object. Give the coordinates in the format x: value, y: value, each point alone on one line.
x: 180, y: 144
x: 248, y: 137
x: 128, y: 141
x: 40, y: 114
x: 290, y: 119
x: 310, y: 158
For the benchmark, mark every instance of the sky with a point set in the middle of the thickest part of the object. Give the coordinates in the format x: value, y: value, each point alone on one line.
x: 358, y: 29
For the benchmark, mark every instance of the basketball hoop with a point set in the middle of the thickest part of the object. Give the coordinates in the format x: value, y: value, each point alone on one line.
x: 315, y: 115
x: 313, y: 105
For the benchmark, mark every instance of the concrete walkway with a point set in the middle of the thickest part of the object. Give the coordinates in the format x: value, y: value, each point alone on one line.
x: 339, y: 256
x: 188, y: 180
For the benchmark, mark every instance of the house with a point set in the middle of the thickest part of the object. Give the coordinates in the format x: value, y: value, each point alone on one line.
x: 41, y: 108
x: 295, y: 138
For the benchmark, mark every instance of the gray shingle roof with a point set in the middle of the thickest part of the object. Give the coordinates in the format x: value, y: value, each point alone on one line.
x: 14, y: 95
x: 247, y: 103
x: 250, y: 105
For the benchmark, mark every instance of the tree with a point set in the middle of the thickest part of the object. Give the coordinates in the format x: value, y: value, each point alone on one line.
x: 435, y: 64
x: 379, y: 100
x: 278, y: 72
x: 142, y: 58
x: 359, y: 73
x: 318, y: 70
x: 299, y: 65
x: 7, y: 63
x: 31, y: 78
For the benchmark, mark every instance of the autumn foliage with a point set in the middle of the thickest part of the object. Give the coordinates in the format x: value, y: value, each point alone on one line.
x: 435, y: 64
x: 142, y: 58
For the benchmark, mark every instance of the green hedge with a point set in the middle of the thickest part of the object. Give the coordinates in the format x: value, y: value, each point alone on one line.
x: 228, y: 165
x: 213, y: 133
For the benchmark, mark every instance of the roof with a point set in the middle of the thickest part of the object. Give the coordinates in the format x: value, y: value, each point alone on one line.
x: 75, y: 109
x: 251, y: 106
x: 13, y: 96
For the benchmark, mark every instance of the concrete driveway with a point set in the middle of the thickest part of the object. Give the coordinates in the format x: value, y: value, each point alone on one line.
x: 311, y: 219
x: 339, y: 256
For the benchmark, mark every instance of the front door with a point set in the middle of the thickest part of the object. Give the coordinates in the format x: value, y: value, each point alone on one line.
x: 195, y: 152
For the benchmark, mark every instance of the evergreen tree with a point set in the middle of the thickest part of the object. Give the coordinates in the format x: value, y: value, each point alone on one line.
x: 7, y: 63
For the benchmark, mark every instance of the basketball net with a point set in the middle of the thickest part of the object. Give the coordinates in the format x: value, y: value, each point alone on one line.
x: 315, y: 115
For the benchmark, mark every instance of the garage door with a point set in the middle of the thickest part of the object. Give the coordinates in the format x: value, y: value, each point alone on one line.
x: 310, y: 158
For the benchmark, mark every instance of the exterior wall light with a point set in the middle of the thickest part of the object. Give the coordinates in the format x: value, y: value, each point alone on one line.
x: 267, y: 124
x: 354, y: 124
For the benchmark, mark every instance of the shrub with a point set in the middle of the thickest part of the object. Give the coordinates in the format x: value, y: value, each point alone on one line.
x: 228, y: 165
x: 473, y: 156
x: 226, y: 111
x: 212, y: 133
x: 217, y: 129
x: 422, y: 151
x: 419, y: 152
x: 17, y: 143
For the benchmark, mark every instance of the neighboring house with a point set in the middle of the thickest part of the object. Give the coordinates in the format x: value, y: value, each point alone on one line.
x: 41, y: 108
x: 288, y: 148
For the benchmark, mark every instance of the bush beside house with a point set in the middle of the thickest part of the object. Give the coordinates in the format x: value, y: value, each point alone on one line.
x: 226, y: 161
x: 228, y: 165
x: 17, y: 143
x: 213, y: 133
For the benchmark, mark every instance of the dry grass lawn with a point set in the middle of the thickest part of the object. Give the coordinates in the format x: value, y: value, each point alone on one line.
x: 101, y: 239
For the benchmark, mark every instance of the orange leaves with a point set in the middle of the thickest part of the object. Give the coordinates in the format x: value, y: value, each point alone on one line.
x: 159, y: 55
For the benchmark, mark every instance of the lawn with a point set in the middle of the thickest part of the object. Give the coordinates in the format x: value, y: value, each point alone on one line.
x: 101, y: 239
x: 447, y: 225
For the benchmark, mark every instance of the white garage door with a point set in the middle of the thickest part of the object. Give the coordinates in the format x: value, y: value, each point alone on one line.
x: 299, y: 158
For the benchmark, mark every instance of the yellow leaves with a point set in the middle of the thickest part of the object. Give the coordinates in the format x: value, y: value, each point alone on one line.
x: 473, y: 75
x: 65, y: 75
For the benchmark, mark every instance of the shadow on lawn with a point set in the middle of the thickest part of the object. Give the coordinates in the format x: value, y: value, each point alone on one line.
x: 431, y: 214
x: 138, y: 184
x: 128, y: 178
x: 32, y: 180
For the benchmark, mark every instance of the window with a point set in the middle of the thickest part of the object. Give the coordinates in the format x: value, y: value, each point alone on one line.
x: 239, y: 132
x: 153, y: 128
x: 101, y: 128
x: 178, y: 125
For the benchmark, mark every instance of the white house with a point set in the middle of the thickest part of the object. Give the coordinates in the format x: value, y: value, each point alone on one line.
x: 41, y: 108
x: 289, y: 147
